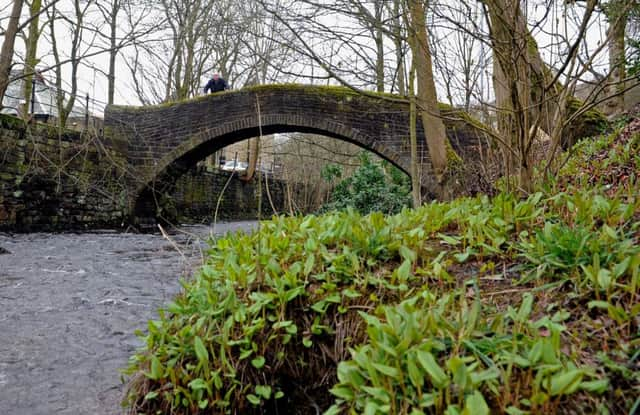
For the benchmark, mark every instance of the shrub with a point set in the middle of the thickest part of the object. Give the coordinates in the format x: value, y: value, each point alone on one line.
x: 369, y: 189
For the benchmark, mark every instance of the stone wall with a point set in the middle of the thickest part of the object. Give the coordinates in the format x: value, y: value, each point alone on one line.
x: 72, y: 181
x: 197, y: 194
x: 51, y: 181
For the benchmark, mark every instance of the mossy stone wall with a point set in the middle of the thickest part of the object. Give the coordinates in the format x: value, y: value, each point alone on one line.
x: 58, y: 181
x: 198, y: 193
x: 70, y: 181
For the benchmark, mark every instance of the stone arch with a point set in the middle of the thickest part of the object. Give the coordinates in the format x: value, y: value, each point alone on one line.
x: 163, y: 137
x: 198, y: 147
x: 203, y: 144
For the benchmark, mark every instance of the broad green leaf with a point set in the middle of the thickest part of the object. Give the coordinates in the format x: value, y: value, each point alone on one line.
x: 437, y: 375
x: 535, y: 353
x: 512, y: 410
x: 258, y: 362
x: 174, y: 308
x: 387, y: 370
x: 282, y: 324
x: 157, y: 370
x: 342, y: 392
x: 475, y: 405
x: 595, y: 386
x: 525, y: 308
x: 598, y: 304
x: 371, y: 408
x: 201, y: 350
x: 484, y: 376
x: 151, y: 395
x: 294, y: 293
x: 459, y: 371
x: 462, y: 257
x: 253, y: 399
x: 428, y: 400
x: 604, y: 278
x: 308, y: 264
x: 610, y: 232
x: 377, y: 393
x: 349, y: 293
x: 622, y: 267
x: 198, y: 384
x: 404, y: 270
x: 450, y: 240
x: 407, y: 254
x: 263, y: 391
x: 415, y: 375
x: 565, y: 383
x: 333, y: 410
x: 452, y: 410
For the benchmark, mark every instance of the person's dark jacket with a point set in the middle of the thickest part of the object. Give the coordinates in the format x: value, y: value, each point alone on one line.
x: 215, y: 86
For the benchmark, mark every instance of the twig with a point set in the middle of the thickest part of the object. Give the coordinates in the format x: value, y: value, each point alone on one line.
x: 168, y: 238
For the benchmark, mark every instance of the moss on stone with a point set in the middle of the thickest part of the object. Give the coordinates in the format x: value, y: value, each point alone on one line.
x: 452, y: 114
x: 11, y: 122
x: 589, y: 124
x: 324, y: 90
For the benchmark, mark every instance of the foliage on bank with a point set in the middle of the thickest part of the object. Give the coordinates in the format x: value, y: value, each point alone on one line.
x: 476, y: 306
x: 371, y: 188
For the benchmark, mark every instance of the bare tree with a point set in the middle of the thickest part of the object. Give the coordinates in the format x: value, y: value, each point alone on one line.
x: 6, y: 52
x: 618, y: 14
x: 400, y: 48
x: 459, y: 52
x: 74, y: 22
x: 529, y: 96
x: 195, y: 38
x: 110, y: 11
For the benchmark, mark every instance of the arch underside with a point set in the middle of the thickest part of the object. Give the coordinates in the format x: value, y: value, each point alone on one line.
x: 179, y: 161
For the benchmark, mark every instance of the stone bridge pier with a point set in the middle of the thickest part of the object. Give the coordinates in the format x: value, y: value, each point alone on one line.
x: 165, y: 140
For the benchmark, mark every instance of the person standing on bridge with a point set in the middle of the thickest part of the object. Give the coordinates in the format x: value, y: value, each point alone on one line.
x: 216, y: 84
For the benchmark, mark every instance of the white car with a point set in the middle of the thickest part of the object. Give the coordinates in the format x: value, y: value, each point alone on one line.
x: 232, y: 165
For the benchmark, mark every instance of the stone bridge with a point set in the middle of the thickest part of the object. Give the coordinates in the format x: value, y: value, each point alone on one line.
x: 165, y: 140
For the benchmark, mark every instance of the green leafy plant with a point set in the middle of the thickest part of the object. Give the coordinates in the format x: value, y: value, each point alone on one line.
x: 479, y: 305
x: 369, y: 189
x: 425, y: 356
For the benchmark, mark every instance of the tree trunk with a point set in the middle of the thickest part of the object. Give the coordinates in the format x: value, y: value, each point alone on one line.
x: 30, y: 60
x: 254, y: 152
x: 58, y: 67
x: 397, y: 41
x: 519, y: 70
x: 415, y: 171
x: 6, y: 53
x: 254, y: 145
x: 379, y: 46
x: 436, y: 137
x: 618, y: 17
x: 509, y: 50
x: 519, y: 82
x: 113, y: 52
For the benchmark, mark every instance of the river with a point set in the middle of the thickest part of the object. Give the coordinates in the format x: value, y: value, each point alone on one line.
x: 69, y: 306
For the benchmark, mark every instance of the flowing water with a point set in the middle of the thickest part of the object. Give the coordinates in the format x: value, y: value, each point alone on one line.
x: 69, y: 306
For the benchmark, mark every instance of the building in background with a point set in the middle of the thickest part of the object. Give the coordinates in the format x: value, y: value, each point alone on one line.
x: 41, y: 105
